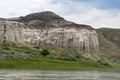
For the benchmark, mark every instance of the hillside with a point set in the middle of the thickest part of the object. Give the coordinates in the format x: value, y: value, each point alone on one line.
x: 49, y: 19
x: 19, y: 56
x: 45, y: 16
x: 109, y: 40
x: 47, y: 36
x: 49, y: 29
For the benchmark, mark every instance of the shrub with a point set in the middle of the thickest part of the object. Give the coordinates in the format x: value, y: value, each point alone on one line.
x: 69, y: 54
x: 105, y: 63
x: 45, y: 52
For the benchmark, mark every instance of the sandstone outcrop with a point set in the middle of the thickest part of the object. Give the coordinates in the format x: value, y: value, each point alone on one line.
x: 47, y: 28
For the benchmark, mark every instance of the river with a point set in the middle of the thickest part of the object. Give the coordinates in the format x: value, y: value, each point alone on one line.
x: 59, y: 75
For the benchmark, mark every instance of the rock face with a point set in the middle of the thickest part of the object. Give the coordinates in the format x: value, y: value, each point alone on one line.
x: 13, y: 31
x: 47, y: 28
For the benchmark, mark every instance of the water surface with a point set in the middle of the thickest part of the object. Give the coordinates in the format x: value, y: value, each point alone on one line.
x: 59, y: 75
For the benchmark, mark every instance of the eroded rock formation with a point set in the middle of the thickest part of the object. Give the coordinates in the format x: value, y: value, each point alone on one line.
x: 52, y: 30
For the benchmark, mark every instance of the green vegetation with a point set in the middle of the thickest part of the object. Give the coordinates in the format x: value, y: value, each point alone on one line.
x: 19, y: 56
x: 45, y: 52
x: 112, y: 35
x: 49, y: 64
x: 109, y: 40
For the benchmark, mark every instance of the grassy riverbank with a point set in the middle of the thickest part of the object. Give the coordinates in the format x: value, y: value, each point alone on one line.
x: 19, y: 56
x: 49, y: 64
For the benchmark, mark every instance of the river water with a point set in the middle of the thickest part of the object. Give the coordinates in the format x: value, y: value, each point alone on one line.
x: 59, y: 75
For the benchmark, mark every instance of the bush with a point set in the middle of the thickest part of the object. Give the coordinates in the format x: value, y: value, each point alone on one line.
x: 105, y: 63
x: 45, y: 52
x: 69, y: 55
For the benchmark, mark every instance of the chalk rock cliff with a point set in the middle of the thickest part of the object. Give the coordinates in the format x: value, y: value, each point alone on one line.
x: 13, y: 31
x: 47, y: 28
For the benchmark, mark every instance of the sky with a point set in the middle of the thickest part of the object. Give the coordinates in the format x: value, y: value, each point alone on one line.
x: 97, y: 13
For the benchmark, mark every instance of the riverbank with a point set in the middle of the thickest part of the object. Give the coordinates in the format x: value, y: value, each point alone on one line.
x: 19, y: 56
x: 50, y: 64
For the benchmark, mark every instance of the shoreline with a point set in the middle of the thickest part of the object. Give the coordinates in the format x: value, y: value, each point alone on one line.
x: 51, y: 64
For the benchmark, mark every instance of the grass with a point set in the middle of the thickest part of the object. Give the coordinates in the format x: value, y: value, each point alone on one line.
x: 116, y: 65
x: 19, y: 56
x: 49, y: 64
x: 109, y: 40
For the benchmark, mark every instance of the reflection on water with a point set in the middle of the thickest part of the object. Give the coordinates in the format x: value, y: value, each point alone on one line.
x: 59, y: 75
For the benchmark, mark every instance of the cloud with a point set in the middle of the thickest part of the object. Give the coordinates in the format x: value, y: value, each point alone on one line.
x: 97, y: 18
x: 83, y: 12
x: 14, y: 8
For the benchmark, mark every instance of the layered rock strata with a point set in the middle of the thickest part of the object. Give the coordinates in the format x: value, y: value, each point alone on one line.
x: 57, y: 32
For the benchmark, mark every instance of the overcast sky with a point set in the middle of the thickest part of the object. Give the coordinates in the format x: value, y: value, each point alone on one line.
x: 97, y: 13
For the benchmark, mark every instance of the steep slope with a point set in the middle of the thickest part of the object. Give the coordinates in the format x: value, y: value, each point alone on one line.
x: 49, y: 29
x: 109, y: 40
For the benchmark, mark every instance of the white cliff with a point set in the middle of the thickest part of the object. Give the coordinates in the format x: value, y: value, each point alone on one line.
x: 60, y: 33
